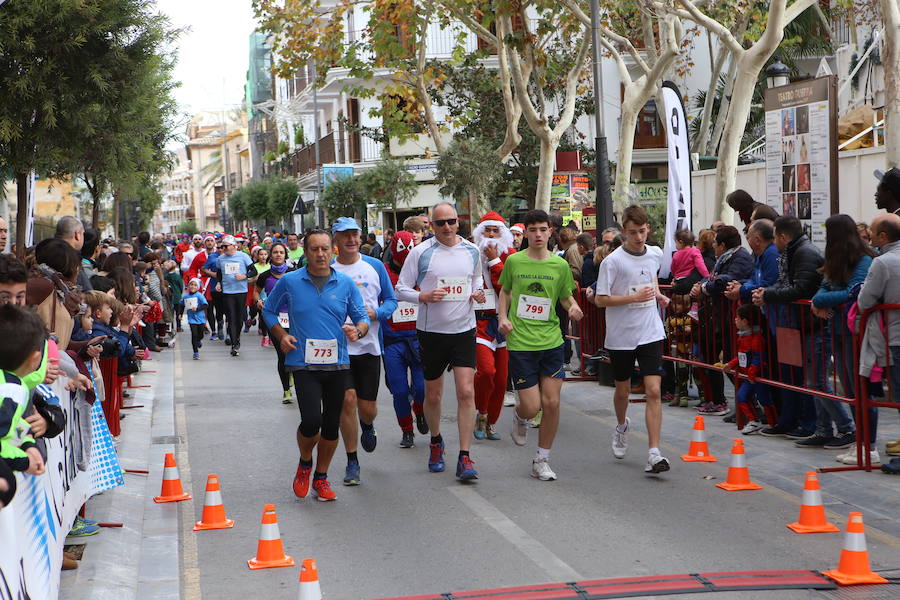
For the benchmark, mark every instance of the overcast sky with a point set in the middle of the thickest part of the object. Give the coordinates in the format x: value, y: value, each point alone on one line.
x: 212, y: 53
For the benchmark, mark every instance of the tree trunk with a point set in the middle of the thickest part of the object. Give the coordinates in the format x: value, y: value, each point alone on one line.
x: 95, y: 210
x: 712, y: 149
x: 627, y: 125
x: 21, y: 213
x: 549, y: 144
x: 890, y: 11
x: 116, y: 214
x: 699, y: 144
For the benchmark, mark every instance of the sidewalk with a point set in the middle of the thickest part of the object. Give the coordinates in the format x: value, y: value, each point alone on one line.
x: 140, y: 559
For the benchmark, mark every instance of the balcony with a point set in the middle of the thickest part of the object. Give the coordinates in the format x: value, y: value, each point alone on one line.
x: 333, y: 149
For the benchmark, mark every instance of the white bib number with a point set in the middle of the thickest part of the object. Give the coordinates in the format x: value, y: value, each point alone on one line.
x: 534, y: 308
x: 321, y: 352
x: 634, y: 289
x: 284, y: 320
x: 406, y: 312
x: 190, y: 304
x: 742, y: 360
x: 490, y: 300
x: 231, y: 268
x: 457, y: 288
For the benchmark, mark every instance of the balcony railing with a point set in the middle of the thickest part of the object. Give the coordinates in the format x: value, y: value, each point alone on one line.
x: 333, y: 148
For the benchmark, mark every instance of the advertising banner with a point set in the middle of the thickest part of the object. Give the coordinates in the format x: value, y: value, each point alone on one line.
x: 678, y: 215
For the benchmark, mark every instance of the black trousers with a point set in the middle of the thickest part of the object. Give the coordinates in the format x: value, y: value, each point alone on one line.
x: 235, y: 306
x: 320, y: 397
x: 197, y: 332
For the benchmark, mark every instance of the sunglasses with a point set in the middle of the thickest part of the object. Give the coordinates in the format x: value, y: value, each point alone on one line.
x: 442, y: 222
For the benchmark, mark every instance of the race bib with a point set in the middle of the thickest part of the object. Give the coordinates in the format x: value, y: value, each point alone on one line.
x: 490, y: 300
x: 457, y: 288
x: 190, y: 303
x: 534, y: 308
x: 634, y: 289
x: 284, y: 320
x: 406, y: 312
x: 321, y: 352
x: 231, y: 268
x: 742, y: 360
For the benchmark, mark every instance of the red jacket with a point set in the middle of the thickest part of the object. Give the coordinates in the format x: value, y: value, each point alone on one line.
x: 750, y: 348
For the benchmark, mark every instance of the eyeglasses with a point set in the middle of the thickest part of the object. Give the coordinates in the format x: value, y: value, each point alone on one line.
x: 442, y: 222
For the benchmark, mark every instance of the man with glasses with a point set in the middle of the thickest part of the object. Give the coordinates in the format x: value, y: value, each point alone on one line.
x: 443, y: 275
x: 232, y: 275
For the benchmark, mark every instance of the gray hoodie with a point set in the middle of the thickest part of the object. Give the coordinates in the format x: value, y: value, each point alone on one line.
x: 882, y: 286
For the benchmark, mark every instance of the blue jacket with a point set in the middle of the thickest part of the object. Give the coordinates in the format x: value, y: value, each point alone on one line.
x: 765, y: 272
x: 126, y: 350
x: 196, y: 317
x: 314, y: 315
x: 830, y: 295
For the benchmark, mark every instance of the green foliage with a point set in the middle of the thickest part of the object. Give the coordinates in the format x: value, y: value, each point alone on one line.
x: 299, y: 139
x: 269, y: 157
x: 189, y: 227
x: 282, y: 193
x: 256, y: 200
x: 469, y: 168
x: 389, y: 184
x: 283, y: 147
x: 236, y: 205
x: 344, y: 197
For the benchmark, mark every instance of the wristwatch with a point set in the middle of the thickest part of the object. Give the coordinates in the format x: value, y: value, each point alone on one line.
x: 360, y: 334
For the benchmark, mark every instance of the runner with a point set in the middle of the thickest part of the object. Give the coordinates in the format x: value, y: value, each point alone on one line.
x: 495, y: 241
x: 232, y: 266
x: 627, y: 288
x: 401, y: 351
x: 265, y: 283
x: 208, y: 272
x: 533, y: 281
x: 370, y: 276
x: 447, y: 269
x: 295, y: 251
x: 187, y: 256
x: 319, y: 301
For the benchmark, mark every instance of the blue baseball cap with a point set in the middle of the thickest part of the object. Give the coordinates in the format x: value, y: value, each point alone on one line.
x: 345, y: 224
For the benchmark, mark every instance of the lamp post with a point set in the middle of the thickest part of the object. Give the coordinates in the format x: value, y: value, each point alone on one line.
x: 603, y: 192
x: 777, y: 74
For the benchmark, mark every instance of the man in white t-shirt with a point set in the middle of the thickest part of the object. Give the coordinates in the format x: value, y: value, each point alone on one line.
x: 443, y: 275
x: 374, y: 285
x: 187, y: 257
x: 627, y: 288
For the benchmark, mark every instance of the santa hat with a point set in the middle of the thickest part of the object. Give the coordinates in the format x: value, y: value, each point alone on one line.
x: 401, y: 244
x: 492, y: 219
x: 520, y: 227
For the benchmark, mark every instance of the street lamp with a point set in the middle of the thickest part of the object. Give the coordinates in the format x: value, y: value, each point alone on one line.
x: 777, y: 74
x: 602, y: 190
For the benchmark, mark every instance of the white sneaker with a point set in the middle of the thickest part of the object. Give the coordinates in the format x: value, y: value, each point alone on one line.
x: 619, y: 443
x: 656, y: 464
x: 752, y: 427
x: 519, y: 432
x: 509, y: 399
x: 850, y: 457
x: 540, y: 469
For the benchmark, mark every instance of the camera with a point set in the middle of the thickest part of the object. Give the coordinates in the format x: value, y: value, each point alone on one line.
x: 110, y: 348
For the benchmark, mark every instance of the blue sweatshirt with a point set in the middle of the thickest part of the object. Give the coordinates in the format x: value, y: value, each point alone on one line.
x: 314, y: 315
x: 196, y: 317
x: 830, y: 295
x: 765, y: 272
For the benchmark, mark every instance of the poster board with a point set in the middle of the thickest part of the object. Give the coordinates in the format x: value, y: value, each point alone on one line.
x: 801, y: 152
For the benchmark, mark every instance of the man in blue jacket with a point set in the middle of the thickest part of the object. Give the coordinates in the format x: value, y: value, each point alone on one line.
x: 761, y: 239
x: 319, y: 301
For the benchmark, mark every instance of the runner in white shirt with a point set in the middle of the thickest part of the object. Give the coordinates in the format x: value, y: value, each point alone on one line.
x: 187, y: 257
x: 447, y: 270
x: 374, y: 285
x: 627, y: 287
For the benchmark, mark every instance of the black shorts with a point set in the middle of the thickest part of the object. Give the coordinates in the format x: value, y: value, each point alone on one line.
x: 365, y: 375
x: 526, y: 367
x: 648, y: 356
x: 442, y: 350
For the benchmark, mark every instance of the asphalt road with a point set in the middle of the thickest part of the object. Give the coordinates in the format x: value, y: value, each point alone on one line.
x: 406, y: 531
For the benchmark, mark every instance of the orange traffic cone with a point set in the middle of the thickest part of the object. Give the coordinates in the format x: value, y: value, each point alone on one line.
x: 853, y: 567
x: 309, y: 581
x: 812, y: 512
x: 171, y: 483
x: 698, y: 451
x: 269, y: 551
x: 213, y: 510
x: 738, y: 473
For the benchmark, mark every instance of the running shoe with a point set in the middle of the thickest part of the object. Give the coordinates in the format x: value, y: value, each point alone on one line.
x: 619, y: 443
x: 799, y: 434
x: 265, y: 341
x: 247, y: 326
x: 509, y: 399
x: 480, y: 425
x: 519, y: 432
x: 82, y: 528
x: 288, y: 397
x: 670, y: 399
x: 436, y: 458
x: 536, y: 419
x: 656, y: 464
x: 351, y: 474
x: 408, y: 439
x: 714, y: 410
x: 843, y: 440
x: 227, y: 341
x: 491, y: 433
x: 813, y: 441
x: 323, y: 490
x: 465, y: 469
x: 234, y: 351
x: 703, y: 406
x: 301, y: 481
x: 752, y: 427
x: 422, y: 424
x: 214, y: 336
x: 540, y: 469
x: 891, y: 468
x: 368, y: 438
x: 850, y: 457
x: 196, y: 356
x: 774, y: 431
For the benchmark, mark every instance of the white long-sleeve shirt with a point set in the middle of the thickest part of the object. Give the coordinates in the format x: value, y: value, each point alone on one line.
x: 432, y: 265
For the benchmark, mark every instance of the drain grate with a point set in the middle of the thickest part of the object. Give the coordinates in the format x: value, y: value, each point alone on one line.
x: 167, y: 439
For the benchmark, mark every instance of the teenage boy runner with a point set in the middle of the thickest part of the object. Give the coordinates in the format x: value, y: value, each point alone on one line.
x: 533, y: 281
x: 627, y: 288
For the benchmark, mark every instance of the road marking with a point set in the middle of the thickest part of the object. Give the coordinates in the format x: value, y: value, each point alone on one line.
x: 189, y: 559
x: 540, y: 555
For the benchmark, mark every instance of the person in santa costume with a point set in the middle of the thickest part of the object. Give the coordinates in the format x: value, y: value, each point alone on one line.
x: 400, y: 353
x: 495, y: 241
x: 518, y: 232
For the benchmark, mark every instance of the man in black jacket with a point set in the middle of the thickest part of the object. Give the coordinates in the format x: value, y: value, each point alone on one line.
x: 798, y: 278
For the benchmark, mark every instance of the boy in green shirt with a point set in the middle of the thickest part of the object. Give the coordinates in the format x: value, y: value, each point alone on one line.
x: 532, y: 282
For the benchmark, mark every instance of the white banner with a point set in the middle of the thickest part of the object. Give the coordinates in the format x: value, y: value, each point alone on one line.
x: 34, y: 526
x: 678, y: 215
x: 32, y: 206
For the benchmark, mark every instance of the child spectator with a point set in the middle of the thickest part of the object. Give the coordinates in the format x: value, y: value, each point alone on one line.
x: 688, y: 266
x: 22, y: 337
x: 106, y: 311
x: 195, y: 305
x: 416, y: 226
x: 749, y: 362
x: 681, y: 335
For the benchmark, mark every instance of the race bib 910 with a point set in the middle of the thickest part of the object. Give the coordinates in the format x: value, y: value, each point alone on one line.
x: 533, y: 308
x: 457, y: 288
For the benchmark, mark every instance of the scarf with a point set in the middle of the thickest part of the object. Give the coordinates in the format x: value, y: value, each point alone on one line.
x: 279, y: 269
x: 724, y: 258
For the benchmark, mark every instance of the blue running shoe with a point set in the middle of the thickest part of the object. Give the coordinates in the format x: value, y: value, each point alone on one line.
x: 465, y: 469
x: 436, y: 458
x: 351, y: 475
x: 83, y: 529
x: 214, y: 336
x: 368, y: 438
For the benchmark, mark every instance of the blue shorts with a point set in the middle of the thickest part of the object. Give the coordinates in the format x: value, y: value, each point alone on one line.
x: 526, y: 367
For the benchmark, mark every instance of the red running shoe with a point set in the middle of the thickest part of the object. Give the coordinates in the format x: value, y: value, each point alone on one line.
x: 323, y: 490
x: 301, y: 481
